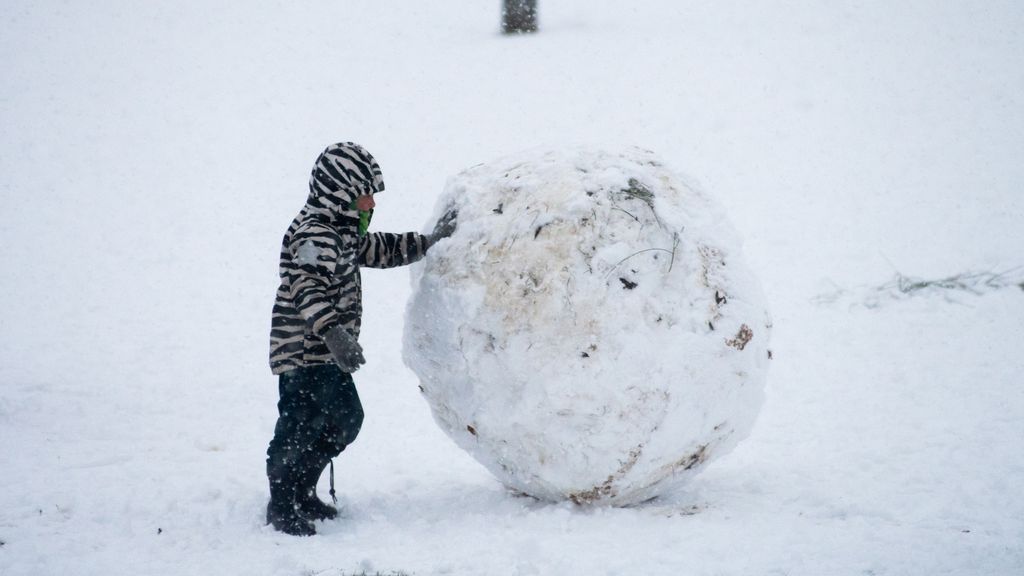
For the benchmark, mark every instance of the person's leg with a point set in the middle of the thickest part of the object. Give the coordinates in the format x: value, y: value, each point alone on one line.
x: 297, y: 430
x: 342, y: 417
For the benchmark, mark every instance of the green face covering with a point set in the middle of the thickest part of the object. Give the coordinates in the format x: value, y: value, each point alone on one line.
x: 364, y: 218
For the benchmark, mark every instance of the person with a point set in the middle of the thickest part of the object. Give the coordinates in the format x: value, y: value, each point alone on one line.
x: 314, y: 337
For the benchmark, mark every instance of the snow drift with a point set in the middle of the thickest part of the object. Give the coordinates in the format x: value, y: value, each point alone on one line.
x: 590, y: 331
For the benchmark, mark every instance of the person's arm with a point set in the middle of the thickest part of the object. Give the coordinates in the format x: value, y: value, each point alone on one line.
x: 316, y: 252
x: 387, y: 250
x: 314, y: 257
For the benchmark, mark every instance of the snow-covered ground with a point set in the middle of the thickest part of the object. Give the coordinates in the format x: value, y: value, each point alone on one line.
x: 152, y: 153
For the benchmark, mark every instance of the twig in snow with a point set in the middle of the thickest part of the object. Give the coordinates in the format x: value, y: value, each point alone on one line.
x: 675, y: 244
x: 902, y: 286
x: 617, y: 264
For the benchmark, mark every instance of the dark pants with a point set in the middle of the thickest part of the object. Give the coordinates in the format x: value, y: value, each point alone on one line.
x: 319, y: 414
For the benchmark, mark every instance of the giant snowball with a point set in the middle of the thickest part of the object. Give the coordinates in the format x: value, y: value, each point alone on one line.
x: 590, y: 331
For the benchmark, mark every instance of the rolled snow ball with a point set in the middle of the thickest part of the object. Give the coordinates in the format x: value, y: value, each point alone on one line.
x: 590, y: 331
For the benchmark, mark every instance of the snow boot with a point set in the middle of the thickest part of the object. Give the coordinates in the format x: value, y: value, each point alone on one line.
x: 282, y: 510
x: 306, y: 500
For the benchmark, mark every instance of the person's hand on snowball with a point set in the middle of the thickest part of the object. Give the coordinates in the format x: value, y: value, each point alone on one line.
x: 445, y: 227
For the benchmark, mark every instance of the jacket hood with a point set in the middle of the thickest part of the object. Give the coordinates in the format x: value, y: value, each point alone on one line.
x: 342, y: 173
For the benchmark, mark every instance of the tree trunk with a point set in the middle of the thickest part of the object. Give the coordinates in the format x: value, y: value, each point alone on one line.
x: 519, y: 16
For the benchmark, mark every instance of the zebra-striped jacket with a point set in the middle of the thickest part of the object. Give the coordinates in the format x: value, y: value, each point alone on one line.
x: 321, y: 254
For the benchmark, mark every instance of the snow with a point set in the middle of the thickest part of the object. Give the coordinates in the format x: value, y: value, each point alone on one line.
x: 590, y: 331
x: 152, y: 155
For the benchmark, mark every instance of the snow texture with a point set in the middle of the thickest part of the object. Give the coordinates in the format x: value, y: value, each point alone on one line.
x: 590, y: 332
x: 153, y: 153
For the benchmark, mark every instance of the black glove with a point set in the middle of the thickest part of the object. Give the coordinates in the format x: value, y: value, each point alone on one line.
x: 444, y: 227
x: 347, y: 352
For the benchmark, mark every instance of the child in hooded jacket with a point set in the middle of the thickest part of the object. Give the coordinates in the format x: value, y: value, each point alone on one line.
x: 314, y: 336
